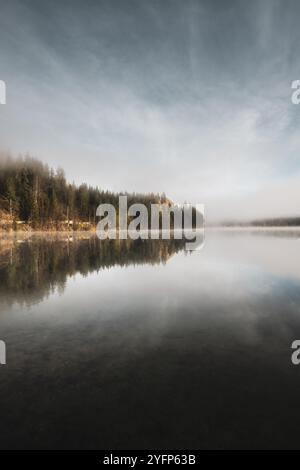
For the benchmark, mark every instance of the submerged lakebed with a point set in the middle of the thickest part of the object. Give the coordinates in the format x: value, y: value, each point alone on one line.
x: 139, y: 344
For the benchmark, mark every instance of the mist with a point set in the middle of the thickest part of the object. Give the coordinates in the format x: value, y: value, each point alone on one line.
x: 190, y: 98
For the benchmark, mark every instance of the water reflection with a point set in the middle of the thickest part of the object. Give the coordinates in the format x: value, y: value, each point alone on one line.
x: 33, y: 266
x: 136, y: 348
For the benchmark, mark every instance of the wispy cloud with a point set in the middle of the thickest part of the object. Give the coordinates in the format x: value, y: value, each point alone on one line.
x: 191, y: 98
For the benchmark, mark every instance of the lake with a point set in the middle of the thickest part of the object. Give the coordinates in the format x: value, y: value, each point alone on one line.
x: 142, y: 345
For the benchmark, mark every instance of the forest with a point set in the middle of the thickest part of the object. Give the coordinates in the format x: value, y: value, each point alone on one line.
x: 32, y: 195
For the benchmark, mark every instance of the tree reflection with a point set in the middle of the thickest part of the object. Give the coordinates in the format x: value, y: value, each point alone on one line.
x: 34, y: 266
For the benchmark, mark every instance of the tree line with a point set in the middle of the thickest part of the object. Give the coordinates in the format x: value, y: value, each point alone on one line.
x: 33, y: 193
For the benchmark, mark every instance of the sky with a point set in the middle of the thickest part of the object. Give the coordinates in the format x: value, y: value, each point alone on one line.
x: 187, y: 97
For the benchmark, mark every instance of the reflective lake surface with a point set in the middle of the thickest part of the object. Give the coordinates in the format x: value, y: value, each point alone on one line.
x: 142, y: 345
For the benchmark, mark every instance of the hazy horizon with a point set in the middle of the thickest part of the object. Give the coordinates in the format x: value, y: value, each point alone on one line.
x: 188, y: 98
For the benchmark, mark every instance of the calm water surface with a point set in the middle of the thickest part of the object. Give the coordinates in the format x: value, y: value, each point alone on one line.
x: 142, y: 345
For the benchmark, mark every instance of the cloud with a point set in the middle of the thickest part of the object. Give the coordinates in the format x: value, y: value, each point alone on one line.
x: 190, y: 98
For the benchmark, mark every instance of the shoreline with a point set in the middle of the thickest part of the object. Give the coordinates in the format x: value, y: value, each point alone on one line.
x: 212, y: 228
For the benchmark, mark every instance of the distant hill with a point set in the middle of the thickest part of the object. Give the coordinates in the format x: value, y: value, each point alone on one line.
x: 272, y: 222
x: 278, y: 222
